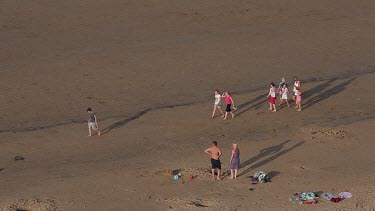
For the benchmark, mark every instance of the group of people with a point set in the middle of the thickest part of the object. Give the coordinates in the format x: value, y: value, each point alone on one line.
x: 214, y: 151
x: 228, y: 101
x: 215, y: 154
x: 283, y: 93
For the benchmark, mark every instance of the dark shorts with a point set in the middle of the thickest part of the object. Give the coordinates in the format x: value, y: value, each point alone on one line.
x: 228, y: 108
x: 215, y: 164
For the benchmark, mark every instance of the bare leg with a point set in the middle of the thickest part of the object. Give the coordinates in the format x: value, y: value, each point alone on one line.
x: 295, y: 99
x: 226, y: 114
x: 222, y: 113
x: 213, y: 173
x: 218, y: 174
x: 274, y: 108
x: 232, y: 114
x: 287, y: 103
x: 89, y: 131
x: 231, y: 174
x: 98, y: 132
x: 270, y: 107
x: 213, y: 112
x: 235, y: 173
x: 299, y: 106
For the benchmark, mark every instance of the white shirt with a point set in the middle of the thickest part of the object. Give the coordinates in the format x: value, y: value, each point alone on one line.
x: 296, y: 84
x: 272, y: 92
x: 285, y: 92
x: 217, y: 99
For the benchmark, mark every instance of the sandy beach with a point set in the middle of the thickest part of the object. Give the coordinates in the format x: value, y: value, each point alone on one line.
x: 149, y: 69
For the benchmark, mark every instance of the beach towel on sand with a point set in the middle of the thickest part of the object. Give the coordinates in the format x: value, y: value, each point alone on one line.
x: 306, y: 198
x: 328, y: 196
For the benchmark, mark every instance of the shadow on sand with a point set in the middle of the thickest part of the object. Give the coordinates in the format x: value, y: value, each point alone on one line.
x: 125, y: 121
x: 137, y: 115
x: 276, y: 151
x: 309, y: 97
x: 325, y: 94
x: 259, y: 101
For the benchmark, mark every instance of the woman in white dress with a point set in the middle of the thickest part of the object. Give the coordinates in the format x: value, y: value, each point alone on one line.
x: 284, y: 95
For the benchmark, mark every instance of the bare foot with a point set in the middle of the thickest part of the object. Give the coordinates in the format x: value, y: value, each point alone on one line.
x: 99, y: 133
x: 232, y: 116
x: 270, y: 109
x: 224, y: 118
x: 299, y: 110
x: 274, y: 111
x: 231, y: 178
x: 218, y: 178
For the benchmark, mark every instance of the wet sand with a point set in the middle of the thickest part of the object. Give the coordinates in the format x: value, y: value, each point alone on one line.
x: 149, y: 69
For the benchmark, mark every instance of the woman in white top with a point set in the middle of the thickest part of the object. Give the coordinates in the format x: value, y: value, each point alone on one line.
x: 284, y: 95
x: 217, y: 104
x: 297, y: 84
x: 272, y: 96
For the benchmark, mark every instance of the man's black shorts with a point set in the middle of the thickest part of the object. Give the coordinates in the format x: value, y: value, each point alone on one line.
x: 215, y: 164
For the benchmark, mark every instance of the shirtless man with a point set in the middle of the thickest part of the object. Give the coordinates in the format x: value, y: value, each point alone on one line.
x: 215, y: 154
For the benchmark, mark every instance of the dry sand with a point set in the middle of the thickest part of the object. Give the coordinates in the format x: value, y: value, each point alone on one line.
x: 148, y: 68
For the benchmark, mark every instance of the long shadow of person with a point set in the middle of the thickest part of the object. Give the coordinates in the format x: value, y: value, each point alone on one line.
x: 317, y: 89
x: 326, y: 94
x: 123, y: 122
x: 243, y: 105
x: 261, y: 103
x: 264, y: 152
x: 274, y: 151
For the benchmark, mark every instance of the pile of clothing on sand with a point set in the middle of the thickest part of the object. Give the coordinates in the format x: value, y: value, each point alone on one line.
x: 260, y: 177
x: 316, y: 197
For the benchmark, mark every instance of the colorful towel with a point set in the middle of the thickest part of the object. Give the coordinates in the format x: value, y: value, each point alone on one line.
x: 328, y: 196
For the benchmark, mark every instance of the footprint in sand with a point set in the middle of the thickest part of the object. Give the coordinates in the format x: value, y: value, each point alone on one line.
x: 322, y: 135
